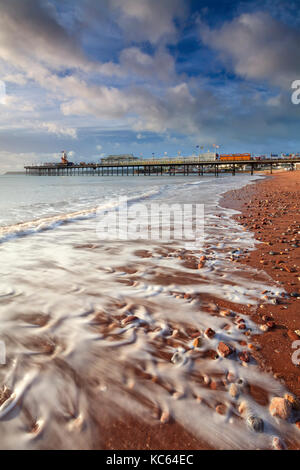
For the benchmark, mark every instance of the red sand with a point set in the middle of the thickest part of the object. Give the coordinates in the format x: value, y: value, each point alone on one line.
x: 270, y: 208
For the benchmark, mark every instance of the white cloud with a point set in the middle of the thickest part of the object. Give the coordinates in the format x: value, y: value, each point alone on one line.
x: 2, y: 92
x: 160, y: 65
x: 30, y: 35
x: 258, y: 47
x: 150, y: 20
x: 54, y: 128
x: 15, y: 161
x: 50, y: 75
x: 14, y: 103
x: 18, y: 78
x: 34, y: 44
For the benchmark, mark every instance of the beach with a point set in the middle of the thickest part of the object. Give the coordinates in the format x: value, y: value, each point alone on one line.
x: 149, y: 227
x: 147, y: 344
x: 270, y: 209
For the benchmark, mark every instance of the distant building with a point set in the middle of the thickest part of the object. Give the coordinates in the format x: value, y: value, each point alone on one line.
x: 124, y: 157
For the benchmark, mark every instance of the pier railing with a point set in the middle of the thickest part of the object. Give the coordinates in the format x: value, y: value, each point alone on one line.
x: 184, y: 165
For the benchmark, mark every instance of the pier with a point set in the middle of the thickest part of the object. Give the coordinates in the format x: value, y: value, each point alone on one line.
x: 183, y: 166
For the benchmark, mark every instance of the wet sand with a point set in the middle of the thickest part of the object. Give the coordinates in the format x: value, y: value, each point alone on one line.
x: 165, y: 361
x: 269, y: 208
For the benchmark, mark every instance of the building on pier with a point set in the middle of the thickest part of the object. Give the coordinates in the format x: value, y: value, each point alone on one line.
x: 208, y: 157
x: 113, y: 159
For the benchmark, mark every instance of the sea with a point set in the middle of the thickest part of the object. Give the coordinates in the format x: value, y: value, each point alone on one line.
x: 95, y: 321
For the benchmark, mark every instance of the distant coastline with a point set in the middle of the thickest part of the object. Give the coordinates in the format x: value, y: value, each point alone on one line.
x: 14, y: 173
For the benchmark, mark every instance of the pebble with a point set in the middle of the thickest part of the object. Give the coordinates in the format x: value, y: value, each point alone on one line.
x: 224, y: 349
x: 197, y: 342
x: 295, y: 402
x: 230, y: 377
x: 221, y: 409
x: 241, y: 383
x: 244, y: 356
x: 280, y: 407
x: 206, y: 379
x: 292, y: 335
x: 255, y: 424
x: 242, y: 407
x: 264, y: 328
x: 209, y: 333
x: 214, y: 385
x: 178, y: 395
x: 129, y: 319
x: 165, y: 417
x: 234, y: 390
x: 277, y: 444
x: 5, y: 393
x: 177, y: 358
x: 225, y: 313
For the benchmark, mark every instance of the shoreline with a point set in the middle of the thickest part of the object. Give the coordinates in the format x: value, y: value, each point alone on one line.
x: 270, y: 208
x: 270, y: 350
x: 183, y: 369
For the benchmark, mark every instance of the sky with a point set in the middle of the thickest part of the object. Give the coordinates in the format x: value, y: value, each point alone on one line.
x: 100, y: 77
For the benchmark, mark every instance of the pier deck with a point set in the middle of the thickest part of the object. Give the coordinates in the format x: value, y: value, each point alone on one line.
x: 186, y: 167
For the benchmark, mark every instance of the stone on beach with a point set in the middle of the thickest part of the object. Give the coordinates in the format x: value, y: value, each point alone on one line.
x: 244, y: 356
x: 234, y: 390
x: 197, y: 342
x: 255, y: 424
x: 243, y: 406
x: 209, y: 333
x: 224, y: 349
x: 225, y: 313
x: 5, y: 393
x: 231, y: 377
x: 129, y: 319
x: 280, y: 407
x: 292, y: 335
x: 221, y: 409
x: 165, y: 417
x: 178, y: 395
x: 264, y: 327
x: 277, y: 444
x: 295, y: 402
x: 206, y: 379
x: 201, y: 262
x: 178, y: 358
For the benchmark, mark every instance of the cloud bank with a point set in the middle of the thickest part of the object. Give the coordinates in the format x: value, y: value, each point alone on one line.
x: 160, y: 69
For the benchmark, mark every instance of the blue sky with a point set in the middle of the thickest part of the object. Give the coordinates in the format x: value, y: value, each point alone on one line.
x: 146, y: 76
